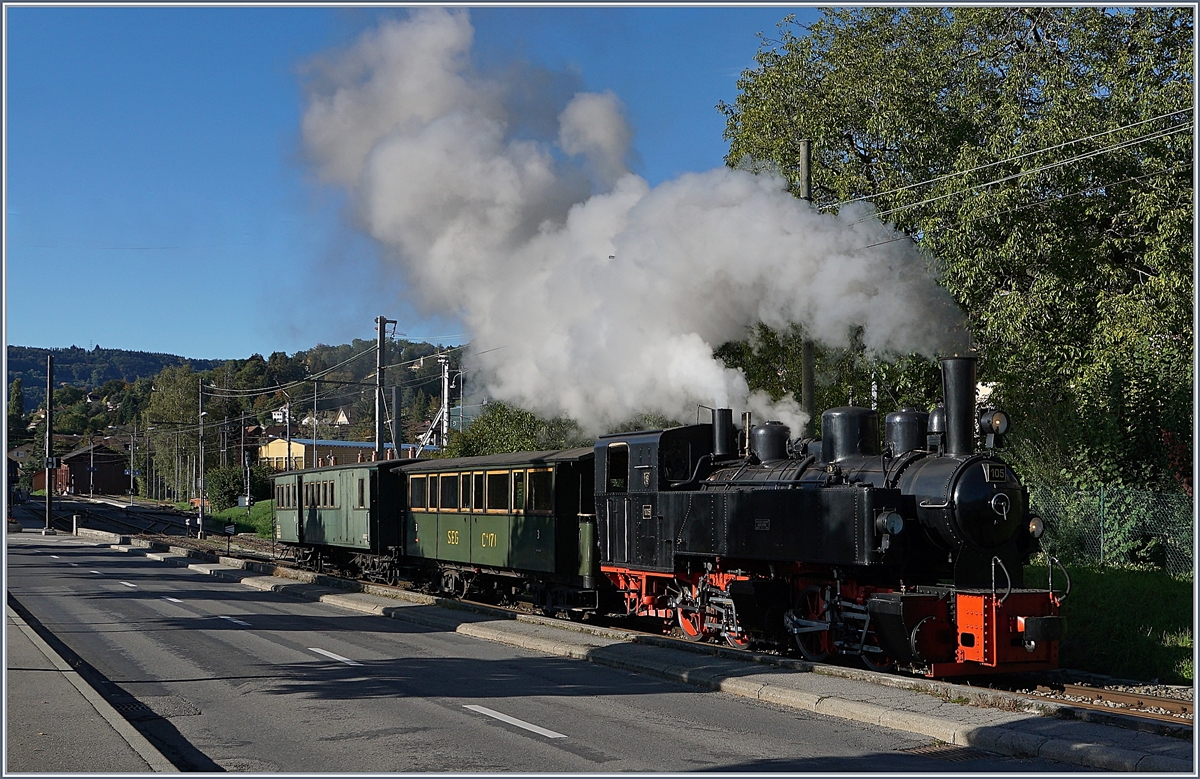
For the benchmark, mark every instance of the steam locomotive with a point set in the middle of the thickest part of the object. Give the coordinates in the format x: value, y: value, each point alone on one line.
x: 907, y: 552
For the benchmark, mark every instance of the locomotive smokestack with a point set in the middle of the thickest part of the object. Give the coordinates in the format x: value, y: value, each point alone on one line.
x: 958, y: 389
x: 724, y: 443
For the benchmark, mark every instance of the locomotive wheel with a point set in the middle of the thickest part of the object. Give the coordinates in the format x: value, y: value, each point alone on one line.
x: 736, y: 640
x: 878, y: 662
x: 691, y: 624
x: 814, y: 647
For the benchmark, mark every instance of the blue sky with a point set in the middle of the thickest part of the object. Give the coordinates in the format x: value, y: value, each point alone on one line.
x: 157, y: 197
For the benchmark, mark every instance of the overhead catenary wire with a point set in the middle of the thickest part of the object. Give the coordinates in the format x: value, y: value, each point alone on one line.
x: 1031, y: 171
x: 1015, y: 158
x: 1043, y: 201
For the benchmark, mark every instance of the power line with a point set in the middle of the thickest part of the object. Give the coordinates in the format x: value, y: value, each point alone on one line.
x: 1040, y: 169
x: 1001, y: 162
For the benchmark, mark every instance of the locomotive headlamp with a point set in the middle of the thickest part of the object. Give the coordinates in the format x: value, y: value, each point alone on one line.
x: 889, y: 522
x: 1036, y: 526
x: 993, y: 421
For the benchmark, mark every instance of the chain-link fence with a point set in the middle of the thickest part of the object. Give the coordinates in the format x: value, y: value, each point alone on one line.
x: 1117, y: 526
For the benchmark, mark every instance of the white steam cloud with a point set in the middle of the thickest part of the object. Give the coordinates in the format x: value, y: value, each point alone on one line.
x: 587, y: 292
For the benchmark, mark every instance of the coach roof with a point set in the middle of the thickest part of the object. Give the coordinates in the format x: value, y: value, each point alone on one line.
x: 513, y: 460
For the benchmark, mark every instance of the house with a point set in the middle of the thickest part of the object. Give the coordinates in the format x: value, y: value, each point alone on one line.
x: 275, y: 452
x: 21, y: 454
x: 280, y: 415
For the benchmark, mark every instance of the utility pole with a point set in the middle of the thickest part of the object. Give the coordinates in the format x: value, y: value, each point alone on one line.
x: 315, y: 383
x: 808, y: 395
x: 132, y: 461
x: 200, y: 465
x: 395, y: 416
x: 381, y: 323
x: 444, y: 361
x: 50, y: 463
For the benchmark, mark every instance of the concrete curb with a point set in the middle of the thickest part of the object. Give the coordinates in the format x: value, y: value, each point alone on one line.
x: 137, y: 742
x: 999, y: 739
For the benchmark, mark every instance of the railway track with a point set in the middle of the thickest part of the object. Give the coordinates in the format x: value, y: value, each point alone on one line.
x: 1139, y: 704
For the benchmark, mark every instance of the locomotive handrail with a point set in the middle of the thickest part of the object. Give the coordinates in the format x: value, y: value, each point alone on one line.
x: 1053, y: 561
x: 927, y: 505
x: 995, y: 561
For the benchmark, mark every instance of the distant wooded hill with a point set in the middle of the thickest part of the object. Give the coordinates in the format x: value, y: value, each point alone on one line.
x: 88, y: 368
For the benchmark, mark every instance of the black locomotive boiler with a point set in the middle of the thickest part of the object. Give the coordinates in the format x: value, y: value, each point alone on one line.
x: 905, y: 552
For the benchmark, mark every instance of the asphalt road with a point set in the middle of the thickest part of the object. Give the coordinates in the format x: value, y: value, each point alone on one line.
x: 222, y: 677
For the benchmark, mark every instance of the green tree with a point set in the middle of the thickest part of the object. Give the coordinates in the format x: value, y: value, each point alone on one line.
x: 502, y: 428
x: 16, y: 414
x: 1043, y: 157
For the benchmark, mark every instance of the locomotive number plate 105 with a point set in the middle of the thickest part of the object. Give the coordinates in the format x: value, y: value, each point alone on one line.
x: 995, y: 472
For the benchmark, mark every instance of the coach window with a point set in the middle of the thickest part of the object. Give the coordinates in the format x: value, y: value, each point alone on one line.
x: 333, y: 494
x: 464, y: 492
x: 518, y: 487
x: 416, y: 491
x: 477, y: 495
x: 362, y: 493
x: 449, y: 492
x: 618, y: 467
x: 541, y: 483
x: 497, y: 491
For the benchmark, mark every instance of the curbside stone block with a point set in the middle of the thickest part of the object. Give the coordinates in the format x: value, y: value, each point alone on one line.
x: 1093, y: 755
x: 923, y: 724
x: 1163, y: 764
x: 851, y: 710
x: 782, y: 696
x: 1002, y: 740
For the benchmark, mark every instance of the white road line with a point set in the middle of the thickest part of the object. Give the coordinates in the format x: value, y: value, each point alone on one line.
x: 127, y: 584
x: 236, y: 621
x: 339, y: 658
x: 515, y: 721
x: 173, y: 600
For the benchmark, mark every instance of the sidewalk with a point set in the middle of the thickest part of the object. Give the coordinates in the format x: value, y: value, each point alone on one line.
x: 57, y: 723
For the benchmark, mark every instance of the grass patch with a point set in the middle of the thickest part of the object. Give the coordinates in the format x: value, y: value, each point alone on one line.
x: 257, y: 521
x: 1133, y: 624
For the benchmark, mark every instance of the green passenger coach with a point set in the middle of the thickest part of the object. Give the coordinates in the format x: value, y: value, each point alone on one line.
x: 512, y: 526
x: 528, y: 517
x: 342, y: 515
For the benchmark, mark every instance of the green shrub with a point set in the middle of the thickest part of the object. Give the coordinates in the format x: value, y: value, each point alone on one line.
x: 1129, y: 623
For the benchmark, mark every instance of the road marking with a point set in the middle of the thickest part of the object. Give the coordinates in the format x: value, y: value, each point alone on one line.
x: 173, y: 600
x: 339, y: 658
x: 515, y: 721
x: 127, y: 584
x: 239, y: 622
